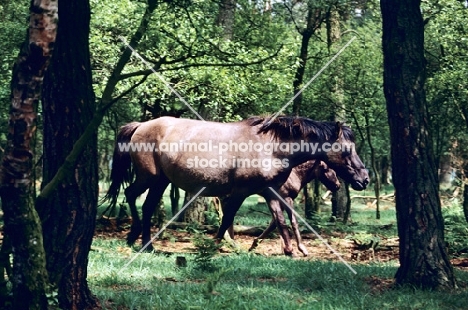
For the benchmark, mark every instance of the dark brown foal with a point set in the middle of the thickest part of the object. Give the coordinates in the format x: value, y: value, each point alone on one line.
x: 299, y: 177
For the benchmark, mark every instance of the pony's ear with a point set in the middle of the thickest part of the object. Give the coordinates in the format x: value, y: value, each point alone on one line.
x: 339, y: 130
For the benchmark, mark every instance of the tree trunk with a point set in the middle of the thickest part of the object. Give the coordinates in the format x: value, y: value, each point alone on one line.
x: 317, y: 197
x: 22, y: 223
x: 423, y: 257
x: 384, y: 167
x: 225, y: 19
x: 445, y: 171
x: 374, y: 166
x: 159, y: 215
x: 333, y: 26
x: 308, y: 203
x: 104, y: 104
x: 69, y: 214
x: 195, y: 212
x: 347, y: 213
x: 341, y: 203
x: 465, y: 201
x: 5, y: 271
x: 314, y: 20
x: 465, y: 187
x: 340, y: 198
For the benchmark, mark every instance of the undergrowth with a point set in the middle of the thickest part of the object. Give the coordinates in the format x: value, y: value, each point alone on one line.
x: 249, y: 281
x: 209, y: 280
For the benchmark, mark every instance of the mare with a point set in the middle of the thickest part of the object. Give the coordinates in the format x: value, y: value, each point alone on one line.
x: 229, y: 160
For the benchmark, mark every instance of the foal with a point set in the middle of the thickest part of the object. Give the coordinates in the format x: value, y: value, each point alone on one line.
x: 299, y: 177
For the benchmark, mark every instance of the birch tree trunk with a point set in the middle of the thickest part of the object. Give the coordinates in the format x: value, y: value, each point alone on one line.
x: 22, y: 224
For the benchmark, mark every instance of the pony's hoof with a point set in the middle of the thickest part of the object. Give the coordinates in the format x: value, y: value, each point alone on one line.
x: 254, y: 244
x: 148, y: 249
x: 132, y: 238
x: 130, y: 243
x: 303, y: 250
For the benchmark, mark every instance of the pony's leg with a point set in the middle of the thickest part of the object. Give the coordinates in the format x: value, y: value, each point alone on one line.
x: 230, y: 206
x: 131, y: 193
x: 295, y: 227
x: 149, y: 206
x: 218, y: 205
x: 230, y: 231
x: 265, y: 233
x: 277, y: 212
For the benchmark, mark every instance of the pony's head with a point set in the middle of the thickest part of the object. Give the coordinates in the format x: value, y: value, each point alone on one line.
x: 330, y: 142
x: 342, y: 157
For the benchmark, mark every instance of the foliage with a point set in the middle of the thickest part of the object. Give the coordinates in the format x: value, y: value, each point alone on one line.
x: 227, y: 80
x: 188, y: 50
x: 212, y: 217
x: 185, y: 46
x: 223, y: 80
x: 357, y: 72
x: 447, y: 88
x: 456, y: 230
x: 206, y: 250
x: 13, y: 32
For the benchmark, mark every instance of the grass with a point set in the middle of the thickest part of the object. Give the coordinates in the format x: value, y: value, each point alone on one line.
x: 249, y: 281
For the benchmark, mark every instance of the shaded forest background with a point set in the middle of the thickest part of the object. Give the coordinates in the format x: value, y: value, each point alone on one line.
x: 255, y: 71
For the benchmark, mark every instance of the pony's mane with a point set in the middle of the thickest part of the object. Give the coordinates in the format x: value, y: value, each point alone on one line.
x: 297, y: 127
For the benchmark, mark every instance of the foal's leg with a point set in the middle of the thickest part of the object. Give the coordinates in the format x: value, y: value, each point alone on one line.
x: 295, y: 226
x: 152, y: 201
x: 281, y: 224
x: 131, y: 193
x: 265, y: 233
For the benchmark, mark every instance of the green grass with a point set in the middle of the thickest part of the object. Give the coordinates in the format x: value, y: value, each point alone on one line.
x: 248, y: 281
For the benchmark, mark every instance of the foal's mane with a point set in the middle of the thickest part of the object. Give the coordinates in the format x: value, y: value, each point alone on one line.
x: 297, y: 127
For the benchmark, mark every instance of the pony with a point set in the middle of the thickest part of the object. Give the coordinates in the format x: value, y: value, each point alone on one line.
x: 229, y: 160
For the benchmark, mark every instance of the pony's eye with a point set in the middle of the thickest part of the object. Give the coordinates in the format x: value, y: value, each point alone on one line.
x: 346, y: 149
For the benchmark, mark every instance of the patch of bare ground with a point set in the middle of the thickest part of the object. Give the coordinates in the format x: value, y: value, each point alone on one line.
x: 177, y: 241
x: 378, y: 285
x: 460, y: 263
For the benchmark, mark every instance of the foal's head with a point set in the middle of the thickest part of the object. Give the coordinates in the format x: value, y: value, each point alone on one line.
x: 327, y: 176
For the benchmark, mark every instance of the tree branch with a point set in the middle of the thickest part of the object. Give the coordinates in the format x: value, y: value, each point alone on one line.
x: 105, y: 103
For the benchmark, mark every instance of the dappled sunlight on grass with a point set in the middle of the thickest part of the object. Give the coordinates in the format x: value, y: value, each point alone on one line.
x: 268, y: 280
x: 249, y: 281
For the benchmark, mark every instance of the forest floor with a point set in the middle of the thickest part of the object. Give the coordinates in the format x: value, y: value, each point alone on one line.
x: 352, y: 248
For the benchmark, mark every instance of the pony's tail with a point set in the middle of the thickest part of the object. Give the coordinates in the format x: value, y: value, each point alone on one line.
x: 121, y: 171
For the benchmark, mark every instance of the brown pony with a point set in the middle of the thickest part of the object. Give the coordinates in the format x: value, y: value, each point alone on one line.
x: 232, y: 160
x: 299, y: 177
